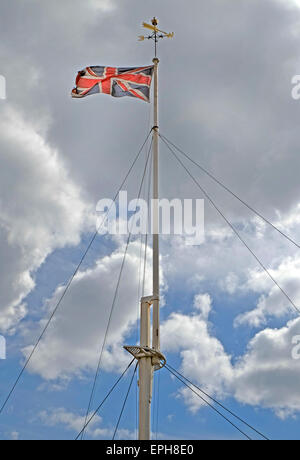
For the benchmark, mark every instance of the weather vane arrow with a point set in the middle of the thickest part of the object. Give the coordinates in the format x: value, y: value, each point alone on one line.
x: 156, y: 33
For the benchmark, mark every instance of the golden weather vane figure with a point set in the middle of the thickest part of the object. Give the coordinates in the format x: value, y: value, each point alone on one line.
x: 156, y: 33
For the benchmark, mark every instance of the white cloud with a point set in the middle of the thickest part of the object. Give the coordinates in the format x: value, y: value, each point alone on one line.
x: 41, y: 209
x: 203, y: 303
x: 265, y: 376
x: 230, y: 284
x: 73, y: 341
x: 104, y: 5
x: 227, y: 267
x: 272, y: 302
x: 291, y: 3
x: 248, y: 121
x: 204, y: 359
x: 15, y: 436
x: 74, y: 422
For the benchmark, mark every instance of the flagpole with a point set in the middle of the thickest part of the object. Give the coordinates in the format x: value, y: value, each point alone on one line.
x: 149, y: 356
x: 156, y: 335
x: 147, y: 364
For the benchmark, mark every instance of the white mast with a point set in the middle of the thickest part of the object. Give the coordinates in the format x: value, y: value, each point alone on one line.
x: 155, y: 216
x: 150, y: 358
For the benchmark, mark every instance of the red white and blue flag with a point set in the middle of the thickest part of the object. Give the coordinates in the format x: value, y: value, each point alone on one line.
x: 116, y: 81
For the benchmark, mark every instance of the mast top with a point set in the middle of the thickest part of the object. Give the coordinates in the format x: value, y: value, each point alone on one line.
x: 156, y: 33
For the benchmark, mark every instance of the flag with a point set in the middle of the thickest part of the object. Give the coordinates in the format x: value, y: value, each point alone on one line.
x: 116, y: 81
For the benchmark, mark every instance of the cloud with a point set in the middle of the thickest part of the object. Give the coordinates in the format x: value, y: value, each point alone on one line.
x: 292, y: 3
x: 230, y: 284
x: 265, y: 376
x: 15, y: 436
x: 73, y: 422
x: 41, y: 209
x: 72, y: 343
x: 204, y: 359
x: 236, y: 117
x: 274, y: 303
x: 247, y: 118
x: 203, y: 303
x: 104, y: 5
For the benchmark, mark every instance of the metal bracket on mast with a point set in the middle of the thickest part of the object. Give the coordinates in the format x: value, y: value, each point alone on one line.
x: 139, y: 352
x: 144, y: 350
x: 150, y: 359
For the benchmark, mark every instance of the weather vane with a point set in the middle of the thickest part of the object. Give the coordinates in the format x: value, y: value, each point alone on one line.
x: 156, y: 33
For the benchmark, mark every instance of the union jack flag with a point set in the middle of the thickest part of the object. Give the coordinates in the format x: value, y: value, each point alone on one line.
x: 118, y: 82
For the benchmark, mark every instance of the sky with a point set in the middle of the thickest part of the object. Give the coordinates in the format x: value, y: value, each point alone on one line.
x: 226, y: 99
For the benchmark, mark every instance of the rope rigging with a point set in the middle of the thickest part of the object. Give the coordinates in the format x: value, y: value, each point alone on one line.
x: 212, y: 202
x: 218, y: 403
x: 210, y: 405
x: 103, y: 401
x: 147, y: 349
x: 115, y: 296
x: 70, y: 281
x: 209, y: 174
x: 125, y: 401
x: 173, y: 371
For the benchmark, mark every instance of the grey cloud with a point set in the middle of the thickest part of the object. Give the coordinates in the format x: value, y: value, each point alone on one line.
x: 225, y: 86
x: 225, y: 96
x: 73, y: 340
x: 40, y: 209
